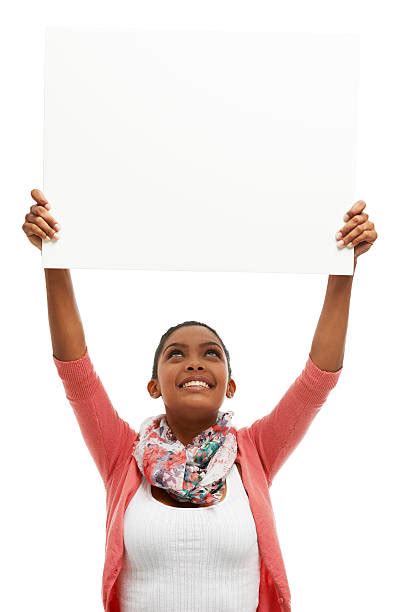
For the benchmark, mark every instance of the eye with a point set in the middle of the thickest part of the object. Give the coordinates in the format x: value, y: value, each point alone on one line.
x: 180, y: 352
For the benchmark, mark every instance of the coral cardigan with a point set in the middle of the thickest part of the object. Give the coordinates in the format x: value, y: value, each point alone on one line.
x: 262, y: 449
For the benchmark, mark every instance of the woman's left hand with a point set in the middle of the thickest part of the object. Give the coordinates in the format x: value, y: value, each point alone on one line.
x: 358, y: 232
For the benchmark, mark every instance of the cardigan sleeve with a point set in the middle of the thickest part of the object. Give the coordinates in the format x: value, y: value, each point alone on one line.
x: 108, y: 437
x: 277, y: 434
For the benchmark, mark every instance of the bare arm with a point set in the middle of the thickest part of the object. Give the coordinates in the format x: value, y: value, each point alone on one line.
x: 329, y: 341
x: 67, y: 334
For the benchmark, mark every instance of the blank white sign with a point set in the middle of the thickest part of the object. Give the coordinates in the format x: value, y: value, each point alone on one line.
x: 200, y: 150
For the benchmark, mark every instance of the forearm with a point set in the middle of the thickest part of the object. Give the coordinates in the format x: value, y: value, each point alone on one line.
x: 67, y: 334
x: 329, y: 341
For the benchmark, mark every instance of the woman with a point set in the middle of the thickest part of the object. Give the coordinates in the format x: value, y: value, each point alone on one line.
x: 190, y: 524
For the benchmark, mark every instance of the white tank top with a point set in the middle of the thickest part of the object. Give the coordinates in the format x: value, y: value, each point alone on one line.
x: 203, y: 559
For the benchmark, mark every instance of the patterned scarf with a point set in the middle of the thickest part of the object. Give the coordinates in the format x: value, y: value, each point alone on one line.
x: 194, y: 473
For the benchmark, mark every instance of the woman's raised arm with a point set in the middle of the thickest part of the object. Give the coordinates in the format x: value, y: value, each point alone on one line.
x: 67, y: 334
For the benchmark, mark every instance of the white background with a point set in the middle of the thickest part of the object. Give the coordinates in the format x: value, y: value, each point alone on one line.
x: 339, y: 500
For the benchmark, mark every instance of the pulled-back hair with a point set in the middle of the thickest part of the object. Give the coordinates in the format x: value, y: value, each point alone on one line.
x: 171, y: 330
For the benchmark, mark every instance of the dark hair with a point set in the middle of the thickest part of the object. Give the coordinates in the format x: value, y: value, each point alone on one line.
x: 171, y: 330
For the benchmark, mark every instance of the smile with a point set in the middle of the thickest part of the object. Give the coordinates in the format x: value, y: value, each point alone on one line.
x: 196, y: 385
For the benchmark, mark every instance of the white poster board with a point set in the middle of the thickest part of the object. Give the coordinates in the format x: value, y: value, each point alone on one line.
x: 199, y: 150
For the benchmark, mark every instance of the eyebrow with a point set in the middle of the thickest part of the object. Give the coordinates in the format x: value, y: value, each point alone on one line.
x: 186, y: 345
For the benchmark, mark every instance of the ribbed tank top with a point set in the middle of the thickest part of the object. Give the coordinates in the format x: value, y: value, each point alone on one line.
x: 203, y: 559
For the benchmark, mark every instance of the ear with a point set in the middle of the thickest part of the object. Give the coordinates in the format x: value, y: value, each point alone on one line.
x: 153, y: 388
x: 231, y: 388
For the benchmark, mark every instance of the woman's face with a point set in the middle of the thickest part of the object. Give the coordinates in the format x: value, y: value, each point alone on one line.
x: 192, y: 353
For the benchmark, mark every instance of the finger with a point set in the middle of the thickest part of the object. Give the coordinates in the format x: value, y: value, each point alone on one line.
x: 40, y: 198
x: 38, y: 220
x: 357, y: 208
x: 352, y: 224
x: 356, y: 232
x: 39, y: 211
x: 365, y: 236
x: 31, y: 229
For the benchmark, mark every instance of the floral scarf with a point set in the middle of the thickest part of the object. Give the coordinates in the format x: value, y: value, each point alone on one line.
x: 194, y: 473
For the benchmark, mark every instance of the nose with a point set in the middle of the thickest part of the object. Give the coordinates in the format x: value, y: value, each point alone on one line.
x: 191, y: 367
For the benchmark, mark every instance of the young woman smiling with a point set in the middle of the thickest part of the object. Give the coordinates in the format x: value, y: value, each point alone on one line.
x: 190, y: 526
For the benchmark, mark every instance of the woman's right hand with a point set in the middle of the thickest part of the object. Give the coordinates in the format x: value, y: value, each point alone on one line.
x: 39, y: 223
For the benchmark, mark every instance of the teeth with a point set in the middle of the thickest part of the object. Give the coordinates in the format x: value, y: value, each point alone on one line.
x: 199, y: 383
